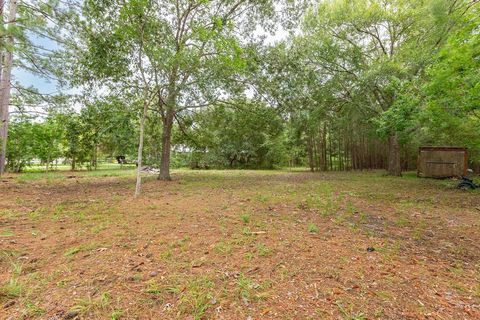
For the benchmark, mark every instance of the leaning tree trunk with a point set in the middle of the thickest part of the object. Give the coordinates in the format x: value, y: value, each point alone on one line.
x: 140, y: 150
x: 5, y: 88
x: 166, y: 146
x: 394, y: 163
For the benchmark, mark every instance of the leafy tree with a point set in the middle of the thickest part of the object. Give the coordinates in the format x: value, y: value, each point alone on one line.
x: 178, y: 55
x: 118, y: 126
x: 20, y: 146
x: 47, y: 141
x: 75, y: 150
x: 378, y: 48
x: 21, y: 23
x: 243, y: 134
x: 452, y: 90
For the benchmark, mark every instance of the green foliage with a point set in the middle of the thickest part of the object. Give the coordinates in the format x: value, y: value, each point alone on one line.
x: 20, y: 145
x: 328, y: 96
x: 312, y: 228
x: 452, y: 111
x: 241, y: 135
x: 31, y: 140
x: 103, y: 126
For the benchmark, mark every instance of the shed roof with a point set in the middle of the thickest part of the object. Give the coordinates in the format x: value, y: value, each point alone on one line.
x: 443, y: 148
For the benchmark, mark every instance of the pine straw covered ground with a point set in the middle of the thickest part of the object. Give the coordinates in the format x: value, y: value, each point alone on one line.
x: 238, y: 245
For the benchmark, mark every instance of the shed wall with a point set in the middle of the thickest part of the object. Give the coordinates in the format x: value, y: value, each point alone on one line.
x: 442, y: 162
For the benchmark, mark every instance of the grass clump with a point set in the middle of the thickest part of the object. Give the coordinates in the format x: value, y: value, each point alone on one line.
x: 12, y: 289
x: 263, y: 250
x: 244, y: 287
x: 245, y: 218
x: 196, y: 299
x: 90, y: 305
x: 72, y: 251
x: 223, y: 247
x: 312, y: 228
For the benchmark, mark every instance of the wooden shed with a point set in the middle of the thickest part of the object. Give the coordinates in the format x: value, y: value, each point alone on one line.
x: 442, y: 162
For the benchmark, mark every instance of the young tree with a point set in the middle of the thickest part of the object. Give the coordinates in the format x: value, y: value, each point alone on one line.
x: 47, y: 140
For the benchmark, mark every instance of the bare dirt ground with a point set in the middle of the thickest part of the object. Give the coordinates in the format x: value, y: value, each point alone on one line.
x: 239, y: 245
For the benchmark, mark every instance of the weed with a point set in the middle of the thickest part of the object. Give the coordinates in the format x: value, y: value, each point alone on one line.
x: 195, y: 299
x: 88, y: 305
x: 476, y: 291
x: 153, y: 207
x: 33, y: 310
x: 7, y: 213
x: 312, y: 228
x: 245, y: 218
x: 154, y: 288
x: 402, y: 221
x: 419, y: 230
x: 165, y: 255
x: 391, y: 250
x: 6, y: 233
x: 182, y: 244
x: 246, y: 231
x: 263, y: 250
x: 351, y: 209
x: 116, y: 314
x: 263, y: 198
x: 244, y: 286
x: 72, y: 251
x: 38, y: 213
x: 223, y: 247
x: 348, y: 313
x: 249, y: 256
x: 12, y: 289
x: 386, y: 296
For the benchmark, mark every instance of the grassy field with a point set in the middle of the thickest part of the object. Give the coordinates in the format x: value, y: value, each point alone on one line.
x: 237, y: 245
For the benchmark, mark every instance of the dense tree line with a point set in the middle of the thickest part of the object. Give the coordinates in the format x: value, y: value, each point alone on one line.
x: 355, y: 84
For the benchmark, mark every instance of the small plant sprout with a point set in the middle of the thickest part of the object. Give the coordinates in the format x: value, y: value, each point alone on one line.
x: 312, y: 228
x: 245, y: 218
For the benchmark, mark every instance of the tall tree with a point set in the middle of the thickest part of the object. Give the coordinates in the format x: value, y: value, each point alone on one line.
x: 26, y: 23
x: 5, y: 85
x: 377, y: 46
x: 179, y: 54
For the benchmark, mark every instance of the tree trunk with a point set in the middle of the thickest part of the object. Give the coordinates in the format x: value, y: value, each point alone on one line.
x: 310, y: 154
x: 166, y: 145
x: 5, y: 88
x: 48, y: 162
x: 394, y: 163
x: 232, y: 160
x: 2, y: 54
x: 330, y: 148
x: 140, y: 150
x: 2, y: 45
x: 95, y: 153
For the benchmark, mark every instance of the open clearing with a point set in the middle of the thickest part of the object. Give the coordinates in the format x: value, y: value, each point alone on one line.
x: 238, y: 245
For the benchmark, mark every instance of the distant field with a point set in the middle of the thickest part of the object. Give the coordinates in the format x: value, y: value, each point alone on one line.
x: 237, y: 244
